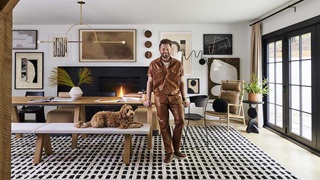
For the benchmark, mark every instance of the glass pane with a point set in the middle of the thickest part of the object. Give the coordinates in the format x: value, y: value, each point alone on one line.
x: 306, y: 72
x: 279, y: 73
x: 279, y: 94
x: 295, y: 97
x: 306, y: 46
x: 294, y: 48
x: 279, y: 118
x: 271, y: 113
x: 271, y: 52
x: 278, y: 51
x: 294, y: 73
x: 271, y: 97
x: 306, y: 99
x: 271, y: 72
x: 295, y: 122
x: 306, y: 126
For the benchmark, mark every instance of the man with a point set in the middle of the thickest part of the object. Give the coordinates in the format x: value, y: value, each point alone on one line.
x: 166, y: 80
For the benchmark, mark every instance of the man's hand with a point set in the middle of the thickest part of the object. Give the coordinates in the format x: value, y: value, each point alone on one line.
x: 147, y: 103
x: 186, y: 103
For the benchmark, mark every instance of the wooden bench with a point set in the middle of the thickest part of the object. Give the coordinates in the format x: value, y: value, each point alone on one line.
x: 43, y: 131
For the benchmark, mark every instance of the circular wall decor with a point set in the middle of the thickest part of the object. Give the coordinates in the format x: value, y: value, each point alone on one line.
x: 148, y: 44
x: 148, y: 54
x: 148, y: 33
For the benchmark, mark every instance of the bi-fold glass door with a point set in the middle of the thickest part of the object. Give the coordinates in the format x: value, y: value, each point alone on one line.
x: 291, y: 68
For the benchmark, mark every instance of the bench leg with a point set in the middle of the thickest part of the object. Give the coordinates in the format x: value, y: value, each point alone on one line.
x: 149, y: 140
x: 149, y: 120
x: 127, y: 149
x: 74, y: 143
x: 15, y: 118
x: 38, y: 151
x: 47, y: 144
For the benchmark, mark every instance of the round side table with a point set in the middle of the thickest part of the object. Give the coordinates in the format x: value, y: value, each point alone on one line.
x: 252, y: 113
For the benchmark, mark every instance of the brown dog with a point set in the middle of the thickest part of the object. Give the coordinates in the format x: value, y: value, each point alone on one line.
x: 122, y: 119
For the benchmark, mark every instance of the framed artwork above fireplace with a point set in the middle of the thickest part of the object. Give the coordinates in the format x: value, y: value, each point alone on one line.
x: 108, y: 49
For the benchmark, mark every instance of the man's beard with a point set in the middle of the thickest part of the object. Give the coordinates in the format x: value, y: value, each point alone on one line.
x: 165, y: 56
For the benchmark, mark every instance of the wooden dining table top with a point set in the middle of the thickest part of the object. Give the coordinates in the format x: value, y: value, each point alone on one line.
x: 85, y: 100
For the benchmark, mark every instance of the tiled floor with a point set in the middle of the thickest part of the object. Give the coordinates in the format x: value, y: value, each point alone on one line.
x: 302, y: 163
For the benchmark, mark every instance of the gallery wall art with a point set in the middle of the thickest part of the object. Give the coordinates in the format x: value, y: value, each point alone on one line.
x: 60, y: 47
x: 108, y: 47
x: 29, y: 70
x: 217, y: 44
x: 181, y: 41
x: 193, y: 85
x: 24, y: 39
x: 221, y: 69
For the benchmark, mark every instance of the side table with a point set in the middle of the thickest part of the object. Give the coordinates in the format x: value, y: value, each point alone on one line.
x: 252, y: 112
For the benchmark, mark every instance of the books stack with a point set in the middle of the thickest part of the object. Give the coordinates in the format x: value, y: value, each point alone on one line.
x: 52, y: 99
x: 133, y: 96
x: 41, y: 100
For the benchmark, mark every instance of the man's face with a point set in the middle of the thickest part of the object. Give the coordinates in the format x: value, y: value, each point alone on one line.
x: 165, y: 51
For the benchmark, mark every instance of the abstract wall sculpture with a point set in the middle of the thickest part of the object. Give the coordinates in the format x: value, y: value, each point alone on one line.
x: 221, y: 69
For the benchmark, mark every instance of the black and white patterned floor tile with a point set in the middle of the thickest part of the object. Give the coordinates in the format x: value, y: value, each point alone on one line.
x: 100, y: 157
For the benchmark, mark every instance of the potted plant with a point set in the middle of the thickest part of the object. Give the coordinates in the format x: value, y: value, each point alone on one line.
x: 59, y: 76
x: 256, y: 88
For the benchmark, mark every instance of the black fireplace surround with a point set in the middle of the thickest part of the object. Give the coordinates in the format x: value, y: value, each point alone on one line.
x: 108, y: 79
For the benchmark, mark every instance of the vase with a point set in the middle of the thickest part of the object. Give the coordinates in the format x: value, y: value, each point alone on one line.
x: 254, y: 97
x: 75, y: 92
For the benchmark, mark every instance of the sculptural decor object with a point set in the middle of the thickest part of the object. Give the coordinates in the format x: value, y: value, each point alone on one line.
x: 60, y: 76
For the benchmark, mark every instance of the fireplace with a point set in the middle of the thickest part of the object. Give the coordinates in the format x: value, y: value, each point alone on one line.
x: 120, y: 85
x: 109, y: 79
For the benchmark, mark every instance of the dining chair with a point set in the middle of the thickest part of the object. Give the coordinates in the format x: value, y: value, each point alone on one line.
x: 200, y: 102
x: 37, y: 110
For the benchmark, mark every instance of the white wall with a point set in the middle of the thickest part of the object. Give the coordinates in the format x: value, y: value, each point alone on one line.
x: 305, y: 10
x: 241, y: 44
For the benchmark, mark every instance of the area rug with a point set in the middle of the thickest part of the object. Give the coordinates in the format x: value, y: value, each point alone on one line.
x: 100, y: 157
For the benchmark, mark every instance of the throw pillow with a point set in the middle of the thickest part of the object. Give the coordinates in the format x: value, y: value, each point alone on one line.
x: 220, y: 105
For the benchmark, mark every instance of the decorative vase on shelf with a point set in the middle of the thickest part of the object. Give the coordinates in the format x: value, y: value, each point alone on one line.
x: 75, y: 92
x: 254, y: 97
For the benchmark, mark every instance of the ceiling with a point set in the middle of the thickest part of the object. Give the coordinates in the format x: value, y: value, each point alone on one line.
x: 143, y: 11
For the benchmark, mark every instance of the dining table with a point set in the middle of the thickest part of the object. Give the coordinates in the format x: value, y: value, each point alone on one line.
x: 79, y: 108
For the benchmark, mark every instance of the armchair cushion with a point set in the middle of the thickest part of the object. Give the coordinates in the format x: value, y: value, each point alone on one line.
x: 232, y: 98
x: 228, y: 86
x: 220, y: 105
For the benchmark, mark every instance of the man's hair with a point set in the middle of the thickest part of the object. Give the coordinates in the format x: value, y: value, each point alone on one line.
x: 165, y: 41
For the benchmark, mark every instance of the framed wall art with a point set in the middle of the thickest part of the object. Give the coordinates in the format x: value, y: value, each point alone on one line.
x: 221, y: 69
x: 108, y: 47
x: 29, y: 70
x: 24, y: 39
x: 181, y: 41
x: 193, y: 86
x: 59, y: 49
x: 217, y: 44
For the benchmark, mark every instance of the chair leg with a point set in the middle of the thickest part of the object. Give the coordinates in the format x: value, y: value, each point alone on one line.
x: 40, y: 117
x: 205, y: 125
x: 21, y: 117
x: 185, y: 133
x: 228, y: 124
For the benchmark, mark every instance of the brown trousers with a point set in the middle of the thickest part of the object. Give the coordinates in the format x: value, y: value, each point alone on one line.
x: 163, y: 104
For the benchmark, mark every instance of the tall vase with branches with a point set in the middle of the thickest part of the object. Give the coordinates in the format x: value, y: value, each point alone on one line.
x: 60, y: 76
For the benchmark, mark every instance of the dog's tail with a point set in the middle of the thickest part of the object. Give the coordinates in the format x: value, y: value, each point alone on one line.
x: 83, y: 125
